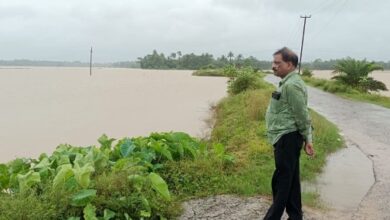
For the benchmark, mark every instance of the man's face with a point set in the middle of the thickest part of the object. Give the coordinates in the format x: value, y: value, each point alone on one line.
x: 281, y: 68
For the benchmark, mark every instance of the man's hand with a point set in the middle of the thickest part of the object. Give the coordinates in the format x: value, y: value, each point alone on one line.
x: 309, y: 149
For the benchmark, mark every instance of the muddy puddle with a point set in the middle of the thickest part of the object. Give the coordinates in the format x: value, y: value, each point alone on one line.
x: 345, y: 180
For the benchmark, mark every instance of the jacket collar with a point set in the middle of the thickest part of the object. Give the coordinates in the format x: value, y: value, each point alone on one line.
x: 291, y: 74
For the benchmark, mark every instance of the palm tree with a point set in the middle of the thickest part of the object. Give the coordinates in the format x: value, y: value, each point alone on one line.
x: 239, y: 60
x: 173, y: 55
x: 355, y: 73
x: 230, y: 55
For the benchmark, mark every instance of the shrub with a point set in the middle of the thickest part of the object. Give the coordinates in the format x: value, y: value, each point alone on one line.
x: 355, y: 73
x: 307, y: 72
x: 230, y: 71
x: 245, y: 80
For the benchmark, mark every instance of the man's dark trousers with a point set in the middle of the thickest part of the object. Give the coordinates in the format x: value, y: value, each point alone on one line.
x: 286, y: 187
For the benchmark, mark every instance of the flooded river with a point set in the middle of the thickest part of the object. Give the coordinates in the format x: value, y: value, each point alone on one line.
x: 42, y: 107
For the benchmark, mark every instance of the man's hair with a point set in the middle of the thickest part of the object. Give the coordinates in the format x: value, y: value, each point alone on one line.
x: 288, y: 55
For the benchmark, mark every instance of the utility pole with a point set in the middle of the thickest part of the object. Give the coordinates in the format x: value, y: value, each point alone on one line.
x: 90, y: 63
x: 303, y: 38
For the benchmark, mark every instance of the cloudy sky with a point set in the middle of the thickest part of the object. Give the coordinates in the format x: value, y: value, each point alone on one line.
x: 127, y: 29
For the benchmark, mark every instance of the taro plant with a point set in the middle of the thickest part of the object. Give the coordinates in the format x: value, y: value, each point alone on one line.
x: 77, y: 172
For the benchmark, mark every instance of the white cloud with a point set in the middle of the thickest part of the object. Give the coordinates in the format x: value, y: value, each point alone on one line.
x: 127, y: 29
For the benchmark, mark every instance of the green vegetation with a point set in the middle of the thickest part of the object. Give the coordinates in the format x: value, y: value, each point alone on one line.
x: 348, y: 92
x: 109, y: 182
x: 355, y: 73
x: 353, y: 82
x: 148, y: 177
x: 320, y: 64
x: 307, y: 72
x: 241, y: 128
x: 195, y: 62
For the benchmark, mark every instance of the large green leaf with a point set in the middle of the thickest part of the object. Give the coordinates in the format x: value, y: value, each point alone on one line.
x: 83, y: 197
x: 189, y: 147
x: 126, y: 147
x: 4, y: 177
x: 159, y: 185
x: 83, y: 174
x: 90, y: 212
x: 64, y: 173
x: 162, y: 149
x: 105, y: 141
x: 44, y: 163
x: 27, y: 180
x: 100, y: 158
x: 108, y: 214
x: 18, y: 165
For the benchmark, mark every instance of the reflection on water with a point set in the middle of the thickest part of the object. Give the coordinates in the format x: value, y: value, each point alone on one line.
x: 42, y: 107
x: 346, y: 179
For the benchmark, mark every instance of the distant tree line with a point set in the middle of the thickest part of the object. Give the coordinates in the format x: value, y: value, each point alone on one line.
x: 177, y: 60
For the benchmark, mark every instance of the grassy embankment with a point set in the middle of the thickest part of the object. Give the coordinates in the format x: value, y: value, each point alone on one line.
x: 347, y: 92
x: 130, y: 177
x: 240, y: 126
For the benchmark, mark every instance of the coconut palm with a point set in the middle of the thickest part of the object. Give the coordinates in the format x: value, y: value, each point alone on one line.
x: 355, y: 73
x: 230, y: 56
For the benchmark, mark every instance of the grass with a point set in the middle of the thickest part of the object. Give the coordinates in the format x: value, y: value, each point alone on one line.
x: 240, y: 126
x: 209, y: 72
x: 348, y: 92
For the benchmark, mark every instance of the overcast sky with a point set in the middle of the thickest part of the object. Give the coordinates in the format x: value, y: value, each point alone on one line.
x: 126, y: 29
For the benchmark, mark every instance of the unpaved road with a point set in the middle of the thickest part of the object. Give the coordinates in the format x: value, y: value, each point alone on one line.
x: 365, y: 125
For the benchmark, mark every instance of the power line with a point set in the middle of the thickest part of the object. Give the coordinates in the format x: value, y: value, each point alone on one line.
x: 330, y: 20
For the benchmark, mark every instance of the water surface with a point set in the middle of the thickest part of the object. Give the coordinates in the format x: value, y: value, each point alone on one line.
x: 42, y: 107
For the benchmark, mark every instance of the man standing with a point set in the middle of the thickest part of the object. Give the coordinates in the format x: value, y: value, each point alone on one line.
x: 288, y: 128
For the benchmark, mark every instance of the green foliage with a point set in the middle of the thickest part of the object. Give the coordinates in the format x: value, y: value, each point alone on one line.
x: 245, y: 79
x: 4, y: 177
x: 355, y: 74
x: 348, y: 92
x: 115, y: 180
x: 230, y: 71
x: 27, y: 180
x: 90, y: 212
x: 307, y: 72
x: 83, y: 197
x: 159, y: 185
x: 204, y: 61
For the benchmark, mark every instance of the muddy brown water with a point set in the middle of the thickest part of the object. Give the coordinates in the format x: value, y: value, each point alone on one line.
x: 42, y: 107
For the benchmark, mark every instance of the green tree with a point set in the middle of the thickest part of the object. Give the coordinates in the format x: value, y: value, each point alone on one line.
x: 355, y: 73
x: 230, y: 56
x: 239, y: 59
